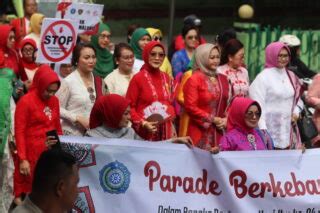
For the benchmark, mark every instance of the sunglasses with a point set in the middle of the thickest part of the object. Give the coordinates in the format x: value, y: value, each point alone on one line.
x: 91, y: 95
x: 157, y: 38
x: 251, y: 114
x: 155, y: 54
x: 192, y: 37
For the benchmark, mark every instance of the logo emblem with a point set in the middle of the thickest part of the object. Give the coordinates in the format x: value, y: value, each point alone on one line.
x: 114, y: 178
x: 80, y: 11
x: 73, y: 11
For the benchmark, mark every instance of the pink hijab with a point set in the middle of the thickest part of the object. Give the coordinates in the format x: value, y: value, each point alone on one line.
x: 237, y: 113
x: 272, y: 52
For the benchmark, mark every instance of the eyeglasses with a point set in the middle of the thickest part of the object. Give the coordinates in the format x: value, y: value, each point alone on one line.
x: 251, y: 114
x: 192, y: 37
x: 283, y: 56
x: 157, y: 38
x: 29, y: 50
x: 103, y: 36
x: 155, y: 54
x: 91, y: 95
x: 127, y: 57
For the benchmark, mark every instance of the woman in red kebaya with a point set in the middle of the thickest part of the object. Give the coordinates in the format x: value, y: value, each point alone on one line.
x: 37, y: 112
x: 7, y: 42
x: 206, y: 94
x: 150, y: 98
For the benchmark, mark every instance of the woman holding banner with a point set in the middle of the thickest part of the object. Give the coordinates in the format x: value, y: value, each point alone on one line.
x: 110, y: 117
x: 242, y: 135
x: 79, y: 91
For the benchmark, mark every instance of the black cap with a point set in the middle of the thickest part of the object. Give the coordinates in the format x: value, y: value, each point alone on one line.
x: 192, y: 20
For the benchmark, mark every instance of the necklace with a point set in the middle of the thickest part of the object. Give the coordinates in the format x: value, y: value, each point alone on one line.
x: 252, y: 140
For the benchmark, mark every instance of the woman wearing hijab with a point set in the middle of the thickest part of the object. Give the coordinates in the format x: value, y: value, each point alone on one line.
x: 101, y: 42
x: 110, y: 117
x: 150, y: 97
x: 156, y: 35
x: 37, y: 112
x: 206, y: 94
x: 29, y: 67
x: 139, y: 39
x: 232, y: 60
x: 35, y: 27
x: 277, y: 90
x: 7, y: 41
x: 242, y: 135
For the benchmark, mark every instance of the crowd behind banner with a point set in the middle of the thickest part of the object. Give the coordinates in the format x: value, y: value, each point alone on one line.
x: 198, y: 94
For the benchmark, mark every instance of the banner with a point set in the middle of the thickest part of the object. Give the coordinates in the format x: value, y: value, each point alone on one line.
x: 157, y: 177
x: 58, y: 38
x: 87, y: 15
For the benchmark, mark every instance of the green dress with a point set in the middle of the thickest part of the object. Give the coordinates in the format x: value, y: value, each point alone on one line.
x: 6, y: 87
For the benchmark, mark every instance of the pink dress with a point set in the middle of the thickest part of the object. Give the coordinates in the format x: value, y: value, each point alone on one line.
x: 238, y: 79
x: 237, y: 140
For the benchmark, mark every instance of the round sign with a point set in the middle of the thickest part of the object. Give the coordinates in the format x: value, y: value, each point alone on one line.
x: 58, y: 41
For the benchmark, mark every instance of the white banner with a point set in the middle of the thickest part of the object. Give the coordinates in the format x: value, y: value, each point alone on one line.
x: 87, y: 15
x: 120, y: 176
x: 58, y: 38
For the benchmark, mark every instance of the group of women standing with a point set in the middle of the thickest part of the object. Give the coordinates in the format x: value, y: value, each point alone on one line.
x: 222, y: 110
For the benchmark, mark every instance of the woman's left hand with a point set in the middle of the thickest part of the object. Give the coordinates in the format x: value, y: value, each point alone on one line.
x: 50, y: 141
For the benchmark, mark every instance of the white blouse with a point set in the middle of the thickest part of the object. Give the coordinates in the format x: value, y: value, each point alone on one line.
x: 117, y: 82
x: 274, y: 92
x: 74, y: 101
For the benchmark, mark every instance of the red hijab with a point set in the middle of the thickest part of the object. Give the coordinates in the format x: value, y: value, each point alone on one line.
x: 43, y: 78
x: 237, y: 113
x: 146, y: 53
x: 108, y: 110
x: 11, y: 57
x: 5, y: 30
x: 26, y: 64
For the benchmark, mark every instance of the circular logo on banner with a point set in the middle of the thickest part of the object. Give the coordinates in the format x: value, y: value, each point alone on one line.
x: 114, y: 178
x: 58, y: 41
